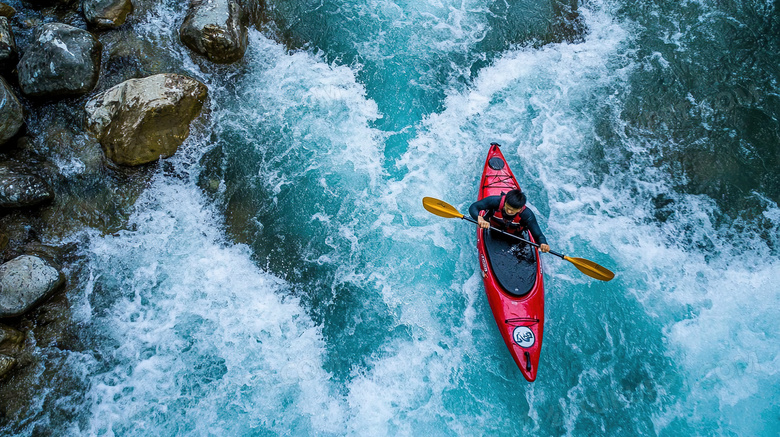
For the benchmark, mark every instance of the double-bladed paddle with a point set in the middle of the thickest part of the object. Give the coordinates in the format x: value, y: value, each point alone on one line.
x: 444, y: 209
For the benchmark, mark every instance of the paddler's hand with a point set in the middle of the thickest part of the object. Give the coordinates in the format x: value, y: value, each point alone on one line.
x: 544, y: 248
x: 482, y: 223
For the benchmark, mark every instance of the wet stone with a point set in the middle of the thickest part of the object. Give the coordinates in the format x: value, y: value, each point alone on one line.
x: 10, y: 338
x: 216, y: 29
x: 11, y: 115
x: 22, y: 190
x: 106, y: 14
x: 141, y: 120
x: 26, y: 281
x: 6, y: 364
x: 62, y: 61
x: 6, y: 11
x: 7, y: 45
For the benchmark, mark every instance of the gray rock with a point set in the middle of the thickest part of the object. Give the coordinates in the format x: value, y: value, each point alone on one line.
x: 7, y: 45
x: 11, y: 114
x: 106, y: 14
x: 216, y: 29
x: 61, y: 61
x: 141, y: 120
x: 6, y: 11
x: 6, y: 364
x: 25, y: 281
x: 22, y: 190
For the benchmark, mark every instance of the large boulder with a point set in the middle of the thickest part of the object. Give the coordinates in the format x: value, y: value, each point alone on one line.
x: 22, y: 190
x: 141, y: 120
x: 25, y: 281
x: 61, y: 61
x: 7, y: 45
x: 106, y: 14
x: 11, y: 114
x: 216, y: 29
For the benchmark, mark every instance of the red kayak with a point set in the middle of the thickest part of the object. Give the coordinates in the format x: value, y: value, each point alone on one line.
x: 512, y: 272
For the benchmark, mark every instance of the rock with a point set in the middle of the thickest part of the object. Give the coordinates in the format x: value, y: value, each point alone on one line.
x: 6, y: 11
x: 6, y: 364
x: 257, y: 11
x: 106, y: 14
x: 7, y: 45
x: 25, y: 281
x: 22, y: 190
x: 10, y: 338
x: 140, y: 120
x: 11, y: 115
x: 61, y: 61
x: 216, y: 29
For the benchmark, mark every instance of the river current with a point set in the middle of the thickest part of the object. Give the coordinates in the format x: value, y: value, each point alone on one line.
x: 279, y: 276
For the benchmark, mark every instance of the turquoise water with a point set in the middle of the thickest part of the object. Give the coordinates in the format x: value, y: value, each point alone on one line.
x: 280, y: 276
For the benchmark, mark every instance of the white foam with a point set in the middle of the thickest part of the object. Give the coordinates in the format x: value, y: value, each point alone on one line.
x: 205, y: 340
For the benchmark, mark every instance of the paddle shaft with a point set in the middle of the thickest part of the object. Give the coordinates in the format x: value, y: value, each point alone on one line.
x: 514, y: 236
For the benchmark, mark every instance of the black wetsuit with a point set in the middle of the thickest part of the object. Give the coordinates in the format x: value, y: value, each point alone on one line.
x: 527, y: 217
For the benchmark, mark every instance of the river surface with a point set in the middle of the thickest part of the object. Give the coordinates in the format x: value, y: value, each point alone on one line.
x: 279, y: 276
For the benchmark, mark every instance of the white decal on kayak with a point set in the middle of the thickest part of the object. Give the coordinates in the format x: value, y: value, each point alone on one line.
x: 484, y: 264
x: 523, y: 336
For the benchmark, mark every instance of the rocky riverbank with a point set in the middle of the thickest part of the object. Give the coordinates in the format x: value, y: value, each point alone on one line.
x: 86, y: 109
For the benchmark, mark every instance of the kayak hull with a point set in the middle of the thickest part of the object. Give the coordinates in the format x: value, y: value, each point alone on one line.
x: 520, y: 318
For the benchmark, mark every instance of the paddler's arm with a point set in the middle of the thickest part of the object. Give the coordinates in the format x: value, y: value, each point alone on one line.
x: 488, y: 204
x: 528, y: 218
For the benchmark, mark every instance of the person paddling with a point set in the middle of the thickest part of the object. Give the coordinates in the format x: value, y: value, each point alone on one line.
x: 508, y: 213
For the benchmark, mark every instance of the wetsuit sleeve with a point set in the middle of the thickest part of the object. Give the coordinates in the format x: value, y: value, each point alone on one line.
x: 528, y: 219
x: 488, y: 204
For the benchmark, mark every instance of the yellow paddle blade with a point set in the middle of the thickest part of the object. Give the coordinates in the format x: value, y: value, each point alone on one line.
x: 590, y: 268
x: 440, y: 208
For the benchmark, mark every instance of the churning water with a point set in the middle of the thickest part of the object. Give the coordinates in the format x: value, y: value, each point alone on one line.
x: 280, y: 277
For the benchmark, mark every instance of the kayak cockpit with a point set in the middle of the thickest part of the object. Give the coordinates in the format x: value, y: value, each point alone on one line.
x: 514, y: 263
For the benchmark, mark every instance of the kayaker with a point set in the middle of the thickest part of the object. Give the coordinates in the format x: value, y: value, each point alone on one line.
x: 508, y: 213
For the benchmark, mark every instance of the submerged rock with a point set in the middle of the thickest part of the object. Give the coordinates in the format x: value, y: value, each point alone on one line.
x: 10, y: 345
x: 25, y: 281
x: 141, y: 120
x: 22, y: 190
x: 106, y: 14
x: 6, y: 11
x: 7, y: 45
x: 10, y: 338
x: 216, y: 29
x: 6, y: 364
x: 61, y: 61
x: 11, y: 115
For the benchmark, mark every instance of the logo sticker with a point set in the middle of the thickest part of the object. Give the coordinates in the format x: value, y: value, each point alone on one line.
x: 523, y: 336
